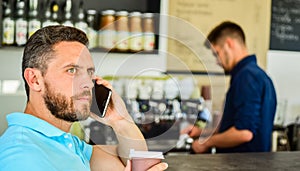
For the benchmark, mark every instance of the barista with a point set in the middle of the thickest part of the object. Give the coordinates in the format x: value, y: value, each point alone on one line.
x: 247, y: 122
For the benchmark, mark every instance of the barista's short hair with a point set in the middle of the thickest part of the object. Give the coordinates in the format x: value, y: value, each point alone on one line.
x: 223, y: 30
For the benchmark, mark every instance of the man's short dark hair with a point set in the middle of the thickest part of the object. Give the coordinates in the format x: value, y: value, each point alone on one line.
x: 39, y: 48
x: 225, y: 29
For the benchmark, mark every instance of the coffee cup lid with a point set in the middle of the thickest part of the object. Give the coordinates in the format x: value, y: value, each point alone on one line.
x: 146, y: 154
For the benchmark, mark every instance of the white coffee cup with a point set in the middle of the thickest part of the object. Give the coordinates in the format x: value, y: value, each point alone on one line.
x: 143, y: 160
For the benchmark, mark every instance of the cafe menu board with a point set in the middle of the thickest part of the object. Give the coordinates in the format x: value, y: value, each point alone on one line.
x: 1, y: 12
x: 190, y: 21
x: 285, y: 25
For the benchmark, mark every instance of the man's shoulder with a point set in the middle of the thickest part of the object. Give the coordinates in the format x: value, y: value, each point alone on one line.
x: 18, y: 156
x: 19, y: 141
x: 252, y: 68
x: 15, y: 140
x: 252, y: 72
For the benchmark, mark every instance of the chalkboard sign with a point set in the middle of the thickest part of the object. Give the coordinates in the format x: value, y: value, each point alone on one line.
x: 1, y: 27
x: 285, y: 25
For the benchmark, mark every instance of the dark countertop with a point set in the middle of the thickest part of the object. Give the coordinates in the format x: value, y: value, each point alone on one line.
x: 280, y: 161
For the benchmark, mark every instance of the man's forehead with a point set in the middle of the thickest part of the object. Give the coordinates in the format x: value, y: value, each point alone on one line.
x: 72, y: 52
x: 68, y: 44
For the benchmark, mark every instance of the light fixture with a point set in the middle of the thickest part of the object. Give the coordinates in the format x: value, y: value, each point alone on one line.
x: 10, y: 86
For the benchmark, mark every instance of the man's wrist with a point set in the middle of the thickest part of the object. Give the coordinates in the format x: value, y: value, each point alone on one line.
x: 122, y: 125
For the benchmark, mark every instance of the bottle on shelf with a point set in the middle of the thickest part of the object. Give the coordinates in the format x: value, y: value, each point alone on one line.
x: 135, y: 42
x: 107, y: 33
x: 55, y: 9
x: 8, y: 25
x: 80, y: 23
x: 51, y: 14
x: 91, y: 32
x: 47, y: 16
x: 34, y: 23
x: 148, y: 32
x: 68, y: 14
x: 122, y: 34
x: 21, y: 24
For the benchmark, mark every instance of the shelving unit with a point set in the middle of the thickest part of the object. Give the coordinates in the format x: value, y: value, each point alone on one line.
x: 111, y: 62
x: 153, y: 6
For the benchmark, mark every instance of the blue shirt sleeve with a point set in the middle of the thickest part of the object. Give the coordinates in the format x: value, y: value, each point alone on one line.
x: 248, y: 102
x: 85, y: 148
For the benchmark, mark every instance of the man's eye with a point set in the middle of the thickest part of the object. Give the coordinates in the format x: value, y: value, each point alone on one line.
x: 216, y: 54
x: 72, y: 70
x: 91, y: 73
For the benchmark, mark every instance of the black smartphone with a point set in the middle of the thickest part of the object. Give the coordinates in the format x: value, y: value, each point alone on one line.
x: 101, y: 98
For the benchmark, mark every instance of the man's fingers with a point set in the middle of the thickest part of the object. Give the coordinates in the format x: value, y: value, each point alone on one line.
x: 159, y: 167
x: 128, y: 166
x: 100, y: 80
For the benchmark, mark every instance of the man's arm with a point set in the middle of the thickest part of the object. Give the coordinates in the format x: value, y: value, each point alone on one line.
x: 128, y: 134
x: 129, y: 137
x: 105, y: 157
x: 194, y: 131
x: 230, y: 138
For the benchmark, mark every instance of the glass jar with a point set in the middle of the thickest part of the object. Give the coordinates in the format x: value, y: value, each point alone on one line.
x: 122, y: 34
x: 107, y: 33
x: 148, y: 32
x: 136, y: 36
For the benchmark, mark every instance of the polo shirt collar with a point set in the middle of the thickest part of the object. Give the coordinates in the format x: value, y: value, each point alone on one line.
x: 34, y: 123
x: 242, y: 63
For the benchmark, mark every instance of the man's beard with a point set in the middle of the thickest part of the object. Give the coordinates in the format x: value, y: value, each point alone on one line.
x: 227, y: 61
x: 62, y: 108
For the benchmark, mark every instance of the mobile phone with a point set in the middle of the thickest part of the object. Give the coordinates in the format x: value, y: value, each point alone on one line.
x: 101, y: 98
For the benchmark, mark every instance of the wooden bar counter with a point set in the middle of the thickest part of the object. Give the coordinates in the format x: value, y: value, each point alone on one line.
x: 279, y: 161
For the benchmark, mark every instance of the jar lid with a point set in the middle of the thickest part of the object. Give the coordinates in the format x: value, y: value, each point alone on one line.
x: 148, y: 15
x: 108, y: 12
x: 91, y: 12
x: 135, y: 14
x: 121, y: 13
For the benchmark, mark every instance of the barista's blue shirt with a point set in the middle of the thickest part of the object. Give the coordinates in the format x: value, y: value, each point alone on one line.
x: 32, y: 144
x: 250, y: 104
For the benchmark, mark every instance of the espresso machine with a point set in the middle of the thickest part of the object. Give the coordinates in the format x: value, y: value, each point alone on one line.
x: 159, y: 111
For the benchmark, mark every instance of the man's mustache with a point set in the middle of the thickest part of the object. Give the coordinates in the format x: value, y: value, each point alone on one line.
x: 84, y: 93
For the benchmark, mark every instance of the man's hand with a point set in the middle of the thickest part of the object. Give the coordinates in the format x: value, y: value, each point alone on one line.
x: 116, y: 110
x: 192, y: 131
x: 199, y: 146
x: 128, y: 134
x: 158, y: 167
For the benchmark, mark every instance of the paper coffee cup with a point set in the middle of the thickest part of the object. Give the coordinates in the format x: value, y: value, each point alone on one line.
x: 143, y: 160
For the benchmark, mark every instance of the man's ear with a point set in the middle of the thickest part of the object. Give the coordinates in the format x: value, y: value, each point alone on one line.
x: 33, y: 78
x: 230, y: 42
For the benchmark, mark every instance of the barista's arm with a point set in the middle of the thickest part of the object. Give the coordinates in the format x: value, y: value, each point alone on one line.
x: 230, y: 138
x: 194, y: 131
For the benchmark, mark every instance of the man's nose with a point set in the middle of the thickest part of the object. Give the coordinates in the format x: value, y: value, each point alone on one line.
x: 87, y: 82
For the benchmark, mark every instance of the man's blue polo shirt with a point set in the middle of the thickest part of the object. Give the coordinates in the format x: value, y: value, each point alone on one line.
x: 30, y: 143
x: 250, y: 104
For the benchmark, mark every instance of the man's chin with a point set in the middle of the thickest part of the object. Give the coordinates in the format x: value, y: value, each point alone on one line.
x: 74, y: 117
x: 226, y: 71
x: 83, y: 114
